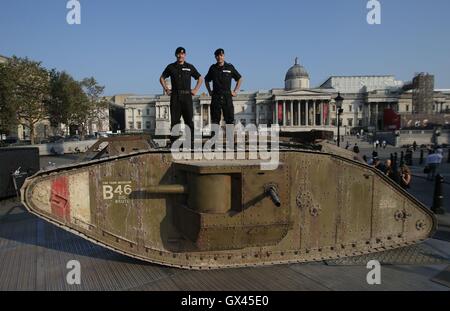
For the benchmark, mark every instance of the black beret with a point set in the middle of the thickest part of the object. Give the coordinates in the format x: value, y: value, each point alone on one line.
x: 219, y: 52
x: 180, y: 50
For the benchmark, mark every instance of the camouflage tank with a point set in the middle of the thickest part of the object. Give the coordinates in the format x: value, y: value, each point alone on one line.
x: 321, y: 203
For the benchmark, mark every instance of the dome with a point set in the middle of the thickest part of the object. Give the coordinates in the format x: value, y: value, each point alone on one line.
x: 297, y: 71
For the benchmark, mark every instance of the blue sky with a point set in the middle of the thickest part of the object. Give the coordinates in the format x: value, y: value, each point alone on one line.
x: 125, y: 45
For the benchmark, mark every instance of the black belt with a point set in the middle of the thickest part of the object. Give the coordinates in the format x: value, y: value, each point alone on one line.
x: 181, y: 92
x: 221, y: 94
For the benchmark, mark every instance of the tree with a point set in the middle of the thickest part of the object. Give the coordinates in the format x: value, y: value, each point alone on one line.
x: 7, y: 109
x: 66, y: 100
x: 31, y: 88
x: 97, y: 104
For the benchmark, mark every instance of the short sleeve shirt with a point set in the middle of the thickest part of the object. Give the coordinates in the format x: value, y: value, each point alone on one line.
x: 180, y: 75
x: 221, y: 77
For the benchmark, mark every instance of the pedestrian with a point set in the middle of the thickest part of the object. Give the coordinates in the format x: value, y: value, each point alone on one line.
x: 405, y: 176
x: 432, y: 164
x: 356, y: 149
x: 357, y: 135
x: 377, y: 143
x: 347, y: 145
x: 221, y: 74
x: 389, y: 170
x: 414, y: 146
x: 180, y: 73
x: 379, y: 165
x: 384, y: 144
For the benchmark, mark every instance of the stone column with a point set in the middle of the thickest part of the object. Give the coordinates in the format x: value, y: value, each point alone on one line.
x: 276, y: 113
x: 201, y: 116
x: 376, y: 117
x: 292, y: 113
x: 304, y: 105
x: 257, y: 114
x: 209, y: 116
x: 284, y: 113
x: 329, y: 114
x: 314, y: 112
x: 321, y: 113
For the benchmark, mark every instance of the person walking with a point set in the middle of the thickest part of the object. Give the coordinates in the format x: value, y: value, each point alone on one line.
x: 433, y: 161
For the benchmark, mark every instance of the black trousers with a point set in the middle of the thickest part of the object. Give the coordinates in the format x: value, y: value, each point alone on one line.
x: 181, y: 105
x: 219, y: 104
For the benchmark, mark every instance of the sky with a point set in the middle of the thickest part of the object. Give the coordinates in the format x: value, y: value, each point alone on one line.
x: 126, y: 45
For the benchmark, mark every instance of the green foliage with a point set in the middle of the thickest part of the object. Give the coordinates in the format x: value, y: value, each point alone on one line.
x: 7, y: 110
x: 29, y: 94
x: 28, y: 89
x: 67, y: 100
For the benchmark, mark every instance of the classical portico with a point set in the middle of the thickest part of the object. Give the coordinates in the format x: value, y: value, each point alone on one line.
x: 302, y: 109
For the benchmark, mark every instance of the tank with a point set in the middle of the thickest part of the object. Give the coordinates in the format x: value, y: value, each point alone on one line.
x: 321, y: 203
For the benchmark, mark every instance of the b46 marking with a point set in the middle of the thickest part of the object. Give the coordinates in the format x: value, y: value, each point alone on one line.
x: 118, y: 191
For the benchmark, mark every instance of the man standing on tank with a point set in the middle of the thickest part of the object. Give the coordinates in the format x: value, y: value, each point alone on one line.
x: 221, y: 75
x: 180, y: 73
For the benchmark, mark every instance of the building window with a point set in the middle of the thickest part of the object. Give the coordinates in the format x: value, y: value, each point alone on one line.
x: 148, y: 125
x: 350, y: 122
x: 253, y: 108
x: 407, y: 108
x: 333, y: 122
x: 360, y: 122
x: 139, y: 125
x: 350, y: 108
x: 243, y: 108
x: 333, y: 107
x: 360, y: 108
x: 131, y: 125
x: 148, y: 112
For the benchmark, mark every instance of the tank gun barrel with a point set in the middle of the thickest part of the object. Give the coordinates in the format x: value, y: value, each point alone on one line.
x: 167, y: 189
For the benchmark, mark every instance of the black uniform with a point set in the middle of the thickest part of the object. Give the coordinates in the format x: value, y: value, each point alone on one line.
x: 221, y: 95
x: 181, y: 98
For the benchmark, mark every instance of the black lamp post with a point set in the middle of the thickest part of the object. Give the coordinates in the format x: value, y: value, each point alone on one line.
x: 339, y: 100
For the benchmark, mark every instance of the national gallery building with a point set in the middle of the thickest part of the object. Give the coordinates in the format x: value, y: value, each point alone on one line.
x: 297, y: 107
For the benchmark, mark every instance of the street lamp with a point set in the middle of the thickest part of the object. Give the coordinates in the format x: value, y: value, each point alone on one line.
x: 339, y: 100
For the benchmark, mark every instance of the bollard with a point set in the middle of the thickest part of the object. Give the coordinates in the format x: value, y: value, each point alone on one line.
x: 421, y: 157
x: 438, y: 199
x: 410, y: 158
